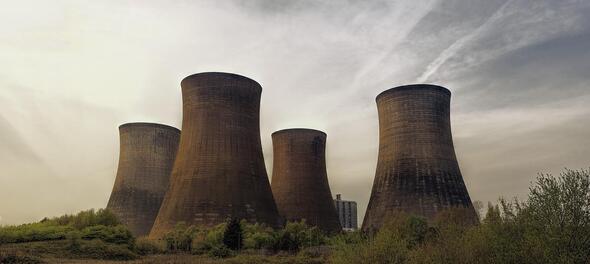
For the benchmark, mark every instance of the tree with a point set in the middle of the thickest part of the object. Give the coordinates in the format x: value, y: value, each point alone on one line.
x: 558, y: 212
x: 233, y: 237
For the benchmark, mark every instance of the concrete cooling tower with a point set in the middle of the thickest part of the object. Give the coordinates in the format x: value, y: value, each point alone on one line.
x: 299, y: 179
x: 417, y: 170
x: 145, y: 163
x: 219, y: 170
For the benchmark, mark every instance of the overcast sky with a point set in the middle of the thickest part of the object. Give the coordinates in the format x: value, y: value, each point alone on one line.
x: 72, y: 71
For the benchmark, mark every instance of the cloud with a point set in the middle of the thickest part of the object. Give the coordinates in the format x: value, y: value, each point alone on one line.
x: 73, y: 72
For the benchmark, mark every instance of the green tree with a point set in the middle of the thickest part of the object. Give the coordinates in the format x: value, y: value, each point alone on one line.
x: 233, y: 237
x: 181, y: 238
x: 557, y: 216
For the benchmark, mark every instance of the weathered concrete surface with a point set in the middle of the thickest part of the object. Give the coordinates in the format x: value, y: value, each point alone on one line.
x: 145, y: 162
x: 299, y: 179
x: 417, y: 170
x: 219, y: 171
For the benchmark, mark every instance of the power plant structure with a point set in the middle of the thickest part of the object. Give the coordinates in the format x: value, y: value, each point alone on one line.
x: 147, y: 153
x: 300, y: 181
x: 219, y: 172
x: 347, y: 213
x: 417, y: 170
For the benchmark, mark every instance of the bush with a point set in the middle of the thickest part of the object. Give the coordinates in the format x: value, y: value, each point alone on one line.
x: 111, y: 234
x: 85, y: 219
x: 220, y: 252
x: 257, y: 236
x: 144, y: 247
x: 74, y: 238
x: 58, y: 228
x: 210, y: 238
x: 181, y: 238
x: 232, y: 236
x: 98, y: 249
x: 551, y: 226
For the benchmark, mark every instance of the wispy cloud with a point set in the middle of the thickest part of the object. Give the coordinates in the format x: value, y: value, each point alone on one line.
x: 460, y: 43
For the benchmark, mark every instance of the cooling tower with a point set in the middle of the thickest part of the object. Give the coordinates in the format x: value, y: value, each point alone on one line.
x: 299, y: 179
x: 145, y: 163
x: 219, y: 170
x: 417, y: 170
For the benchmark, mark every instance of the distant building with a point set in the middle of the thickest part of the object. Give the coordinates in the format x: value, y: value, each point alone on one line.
x: 347, y: 213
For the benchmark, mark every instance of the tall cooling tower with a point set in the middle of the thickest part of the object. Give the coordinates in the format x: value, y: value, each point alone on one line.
x: 299, y: 179
x: 219, y: 171
x: 417, y: 170
x: 145, y: 163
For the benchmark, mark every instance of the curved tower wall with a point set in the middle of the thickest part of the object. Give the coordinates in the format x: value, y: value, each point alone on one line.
x: 147, y: 153
x: 417, y: 170
x: 219, y: 171
x: 299, y: 179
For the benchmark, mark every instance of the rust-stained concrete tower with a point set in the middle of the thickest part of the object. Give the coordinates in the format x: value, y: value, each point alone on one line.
x: 299, y: 178
x: 145, y: 163
x: 219, y: 170
x: 417, y: 170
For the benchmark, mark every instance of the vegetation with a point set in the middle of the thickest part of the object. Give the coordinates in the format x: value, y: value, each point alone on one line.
x: 552, y: 225
x: 232, y: 236
x: 181, y: 238
x: 90, y: 224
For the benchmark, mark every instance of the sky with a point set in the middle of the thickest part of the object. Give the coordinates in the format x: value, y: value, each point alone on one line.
x: 72, y: 71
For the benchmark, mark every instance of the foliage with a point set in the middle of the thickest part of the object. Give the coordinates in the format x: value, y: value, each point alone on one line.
x: 220, y: 252
x: 58, y: 228
x: 233, y: 237
x: 85, y: 219
x: 98, y: 249
x: 257, y: 236
x: 114, y: 234
x: 33, y: 232
x: 144, y: 246
x: 551, y: 226
x: 88, y: 234
x: 181, y: 238
x: 557, y: 217
x: 297, y: 235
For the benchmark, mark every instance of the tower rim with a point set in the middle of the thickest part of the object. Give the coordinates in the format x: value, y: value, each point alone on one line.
x: 185, y: 82
x: 297, y: 129
x: 416, y: 86
x: 148, y: 124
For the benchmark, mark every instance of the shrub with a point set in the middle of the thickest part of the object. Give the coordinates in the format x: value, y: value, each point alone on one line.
x: 144, y: 246
x: 181, y: 238
x: 257, y: 236
x: 85, y: 219
x: 74, y: 238
x: 98, y: 249
x: 297, y: 235
x: 220, y: 252
x: 58, y: 228
x: 111, y: 234
x: 232, y: 236
x: 212, y: 237
x: 551, y: 226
